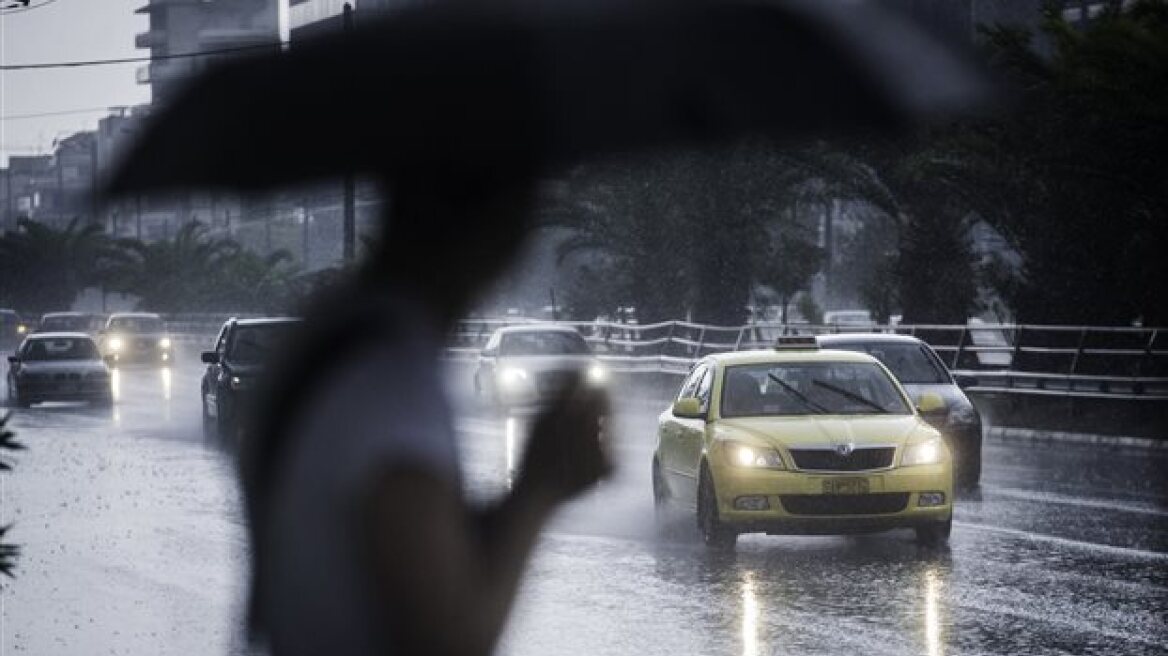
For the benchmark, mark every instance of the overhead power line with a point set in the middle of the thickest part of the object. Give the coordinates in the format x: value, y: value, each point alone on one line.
x: 131, y: 60
x: 17, y: 7
x: 63, y: 112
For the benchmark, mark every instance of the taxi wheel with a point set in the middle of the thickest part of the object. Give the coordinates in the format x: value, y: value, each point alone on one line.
x: 935, y: 534
x: 660, y: 492
x: 714, y: 533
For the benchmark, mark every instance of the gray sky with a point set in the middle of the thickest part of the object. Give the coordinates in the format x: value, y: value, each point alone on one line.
x: 65, y: 30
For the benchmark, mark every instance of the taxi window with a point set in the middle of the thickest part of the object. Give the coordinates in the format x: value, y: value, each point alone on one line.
x: 689, y: 388
x: 703, y: 389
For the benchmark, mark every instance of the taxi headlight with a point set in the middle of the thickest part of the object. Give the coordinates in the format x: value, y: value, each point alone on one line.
x: 753, y: 457
x: 164, y: 343
x: 116, y: 343
x: 512, y: 377
x: 926, y: 453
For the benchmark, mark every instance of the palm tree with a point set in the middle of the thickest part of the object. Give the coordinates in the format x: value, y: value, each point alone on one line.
x: 176, y: 274
x: 44, y: 269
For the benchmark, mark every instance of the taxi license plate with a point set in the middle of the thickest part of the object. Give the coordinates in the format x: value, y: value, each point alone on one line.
x: 845, y: 486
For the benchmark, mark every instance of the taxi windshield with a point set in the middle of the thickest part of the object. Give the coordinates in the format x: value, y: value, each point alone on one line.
x: 808, y: 388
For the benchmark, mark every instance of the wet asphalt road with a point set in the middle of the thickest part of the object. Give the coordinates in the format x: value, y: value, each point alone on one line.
x: 133, y: 544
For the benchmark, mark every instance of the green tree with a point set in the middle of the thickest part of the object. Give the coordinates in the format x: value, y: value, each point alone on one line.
x: 788, y: 264
x: 43, y: 268
x: 195, y: 272
x: 1075, y: 177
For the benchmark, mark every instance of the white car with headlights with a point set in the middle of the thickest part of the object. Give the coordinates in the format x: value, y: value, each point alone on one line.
x: 136, y: 338
x: 523, y: 366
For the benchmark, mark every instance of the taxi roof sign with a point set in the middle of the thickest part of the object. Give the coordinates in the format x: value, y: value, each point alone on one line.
x: 796, y: 343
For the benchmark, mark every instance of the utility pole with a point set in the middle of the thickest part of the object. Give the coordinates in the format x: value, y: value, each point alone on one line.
x: 350, y: 218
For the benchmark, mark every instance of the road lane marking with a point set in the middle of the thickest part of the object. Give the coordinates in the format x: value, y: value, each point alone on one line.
x: 1129, y: 552
x: 1064, y: 499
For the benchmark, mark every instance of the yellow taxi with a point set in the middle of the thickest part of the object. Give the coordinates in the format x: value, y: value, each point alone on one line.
x: 799, y: 440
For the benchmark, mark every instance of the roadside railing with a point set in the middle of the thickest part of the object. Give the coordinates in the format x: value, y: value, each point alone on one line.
x: 1129, y: 363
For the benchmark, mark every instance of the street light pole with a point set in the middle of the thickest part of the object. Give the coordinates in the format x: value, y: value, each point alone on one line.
x: 350, y: 219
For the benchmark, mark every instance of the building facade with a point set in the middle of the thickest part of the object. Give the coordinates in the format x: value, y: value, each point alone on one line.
x: 182, y: 27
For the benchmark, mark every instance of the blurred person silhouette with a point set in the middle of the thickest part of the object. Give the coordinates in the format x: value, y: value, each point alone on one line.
x: 361, y: 539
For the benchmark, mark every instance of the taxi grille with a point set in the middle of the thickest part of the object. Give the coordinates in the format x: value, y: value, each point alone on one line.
x: 843, y: 504
x: 858, y: 460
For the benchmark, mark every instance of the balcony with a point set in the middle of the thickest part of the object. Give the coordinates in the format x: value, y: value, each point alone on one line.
x: 149, y: 39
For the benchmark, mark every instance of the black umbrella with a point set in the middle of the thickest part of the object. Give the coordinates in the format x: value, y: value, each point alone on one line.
x: 516, y: 88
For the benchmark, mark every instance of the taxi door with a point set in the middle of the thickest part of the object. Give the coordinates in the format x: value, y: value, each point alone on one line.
x: 675, y: 440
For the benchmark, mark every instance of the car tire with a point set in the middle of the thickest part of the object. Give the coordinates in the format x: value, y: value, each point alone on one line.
x: 935, y: 534
x: 210, y: 428
x: 15, y: 400
x: 714, y: 533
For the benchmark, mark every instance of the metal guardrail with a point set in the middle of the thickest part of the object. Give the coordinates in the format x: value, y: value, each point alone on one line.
x: 1126, y: 363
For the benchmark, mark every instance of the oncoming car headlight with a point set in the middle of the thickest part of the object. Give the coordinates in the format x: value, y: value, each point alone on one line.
x: 164, y: 343
x: 929, y: 452
x: 116, y: 343
x: 752, y: 457
x: 512, y: 377
x: 238, y: 383
x: 597, y: 374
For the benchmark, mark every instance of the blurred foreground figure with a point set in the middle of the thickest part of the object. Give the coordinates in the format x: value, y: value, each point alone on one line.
x: 362, y: 542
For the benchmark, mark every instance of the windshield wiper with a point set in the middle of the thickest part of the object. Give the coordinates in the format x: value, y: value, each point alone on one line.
x: 815, y: 407
x: 849, y: 395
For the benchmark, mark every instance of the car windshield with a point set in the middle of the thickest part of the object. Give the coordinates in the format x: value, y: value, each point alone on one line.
x: 136, y: 324
x: 66, y: 348
x: 252, y: 344
x: 805, y: 388
x: 64, y: 323
x: 910, y: 363
x: 546, y: 342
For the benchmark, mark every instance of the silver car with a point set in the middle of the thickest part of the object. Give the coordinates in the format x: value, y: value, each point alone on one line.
x: 58, y: 367
x: 523, y: 366
x: 921, y: 371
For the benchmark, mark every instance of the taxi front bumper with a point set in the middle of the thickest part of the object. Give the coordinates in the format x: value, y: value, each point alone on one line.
x: 807, y: 502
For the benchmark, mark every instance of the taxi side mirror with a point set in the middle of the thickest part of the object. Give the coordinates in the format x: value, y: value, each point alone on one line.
x: 930, y: 403
x: 689, y: 408
x: 12, y: 359
x: 209, y: 357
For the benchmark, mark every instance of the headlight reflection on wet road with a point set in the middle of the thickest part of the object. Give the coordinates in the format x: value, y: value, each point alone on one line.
x: 166, y: 383
x: 116, y: 384
x: 933, y: 643
x: 510, y: 431
x: 750, y: 616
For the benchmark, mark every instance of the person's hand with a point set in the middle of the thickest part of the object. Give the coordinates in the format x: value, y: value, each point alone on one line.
x: 566, y: 452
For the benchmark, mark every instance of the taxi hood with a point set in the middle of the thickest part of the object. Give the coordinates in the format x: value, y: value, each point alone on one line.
x: 821, y: 430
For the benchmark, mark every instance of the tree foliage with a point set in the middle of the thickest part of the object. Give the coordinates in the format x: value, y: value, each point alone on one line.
x: 43, y: 268
x: 684, y: 234
x: 1076, y: 177
x: 8, y: 552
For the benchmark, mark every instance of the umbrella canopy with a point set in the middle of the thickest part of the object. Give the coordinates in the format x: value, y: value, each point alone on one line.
x: 513, y: 89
